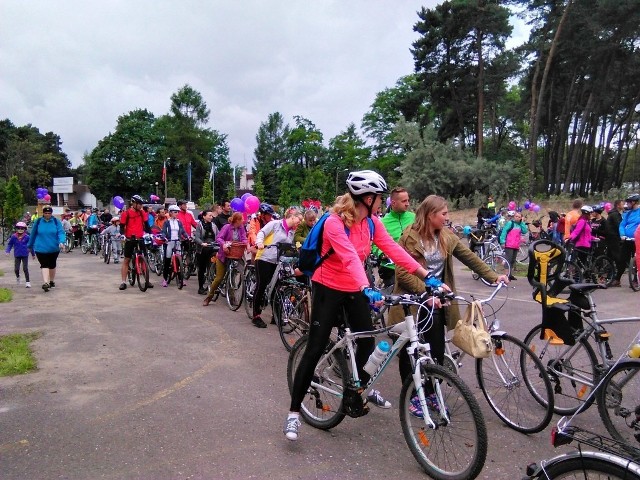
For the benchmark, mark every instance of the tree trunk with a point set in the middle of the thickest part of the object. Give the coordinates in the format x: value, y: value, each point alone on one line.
x: 480, y: 134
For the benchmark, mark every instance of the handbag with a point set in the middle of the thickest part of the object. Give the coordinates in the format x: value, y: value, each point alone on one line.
x: 470, y: 334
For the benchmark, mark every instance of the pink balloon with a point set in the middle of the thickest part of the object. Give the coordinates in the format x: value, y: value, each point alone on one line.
x: 512, y: 205
x: 251, y: 204
x: 608, y: 207
x: 536, y: 208
x: 47, y: 198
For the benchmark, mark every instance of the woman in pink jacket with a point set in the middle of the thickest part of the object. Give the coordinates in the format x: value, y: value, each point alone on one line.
x: 341, y: 282
x: 581, y: 235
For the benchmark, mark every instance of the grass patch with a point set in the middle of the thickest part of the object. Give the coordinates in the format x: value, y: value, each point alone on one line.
x: 16, y: 356
x: 6, y: 295
x: 1, y: 273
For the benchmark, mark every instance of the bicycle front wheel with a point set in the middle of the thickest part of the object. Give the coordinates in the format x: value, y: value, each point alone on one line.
x: 569, y: 393
x: 604, y: 270
x: 502, y: 381
x: 291, y: 311
x: 457, y: 449
x: 498, y: 264
x: 586, y: 468
x: 107, y: 253
x: 188, y: 261
x: 322, y: 404
x: 572, y: 271
x: 179, y: 272
x: 250, y: 281
x: 235, y: 286
x: 619, y: 402
x: 633, y: 274
x: 142, y: 272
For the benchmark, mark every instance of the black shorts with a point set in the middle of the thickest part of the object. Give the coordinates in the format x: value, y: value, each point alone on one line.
x: 129, y: 246
x: 47, y: 260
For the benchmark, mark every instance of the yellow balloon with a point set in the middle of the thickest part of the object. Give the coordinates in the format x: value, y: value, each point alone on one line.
x: 635, y: 351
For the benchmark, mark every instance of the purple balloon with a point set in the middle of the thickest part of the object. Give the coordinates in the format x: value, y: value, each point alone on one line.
x: 118, y: 202
x: 40, y: 195
x: 388, y: 201
x: 238, y: 205
x: 527, y: 204
x: 536, y: 208
x: 244, y: 197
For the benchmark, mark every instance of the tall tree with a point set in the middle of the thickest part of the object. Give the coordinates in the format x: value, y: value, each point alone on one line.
x: 270, y: 154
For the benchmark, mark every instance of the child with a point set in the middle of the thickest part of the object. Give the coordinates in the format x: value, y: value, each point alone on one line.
x: 116, y: 239
x: 510, y: 239
x: 18, y: 242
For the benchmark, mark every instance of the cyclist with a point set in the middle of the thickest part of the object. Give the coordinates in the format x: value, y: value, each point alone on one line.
x: 105, y: 217
x: 309, y: 220
x: 186, y: 217
x: 173, y: 230
x: 233, y: 231
x: 265, y: 215
x: 205, y: 237
x: 627, y: 229
x: 93, y: 226
x: 77, y: 224
x: 510, y: 237
x: 433, y: 245
x: 113, y: 231
x: 267, y: 260
x: 340, y: 282
x: 581, y: 235
x: 132, y: 223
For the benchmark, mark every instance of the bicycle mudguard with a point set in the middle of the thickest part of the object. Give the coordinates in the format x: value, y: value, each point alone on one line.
x: 600, y: 456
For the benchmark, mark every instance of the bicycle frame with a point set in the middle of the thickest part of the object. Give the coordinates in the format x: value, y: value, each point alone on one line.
x: 419, y: 353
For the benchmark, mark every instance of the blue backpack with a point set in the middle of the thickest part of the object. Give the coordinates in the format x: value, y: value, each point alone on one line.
x: 310, y: 258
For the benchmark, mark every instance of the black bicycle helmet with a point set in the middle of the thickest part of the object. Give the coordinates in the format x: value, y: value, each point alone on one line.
x: 266, y: 208
x: 598, y: 208
x: 634, y: 197
x: 137, y: 199
x: 366, y: 181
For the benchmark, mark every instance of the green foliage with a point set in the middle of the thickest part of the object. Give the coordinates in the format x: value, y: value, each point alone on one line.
x: 6, y: 295
x: 16, y: 355
x: 175, y: 188
x: 207, y: 195
x: 14, y: 201
x: 270, y: 154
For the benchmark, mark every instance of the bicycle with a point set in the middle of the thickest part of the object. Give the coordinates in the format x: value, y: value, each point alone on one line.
x: 69, y: 242
x: 232, y: 285
x: 336, y: 391
x: 140, y: 271
x: 633, y: 270
x: 189, y: 258
x: 90, y: 241
x: 250, y: 282
x: 177, y: 270
x: 597, y: 269
x: 502, y: 379
x: 491, y: 253
x: 108, y: 247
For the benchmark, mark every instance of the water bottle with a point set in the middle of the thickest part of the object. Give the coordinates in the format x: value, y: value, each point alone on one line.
x: 377, y: 357
x: 635, y: 351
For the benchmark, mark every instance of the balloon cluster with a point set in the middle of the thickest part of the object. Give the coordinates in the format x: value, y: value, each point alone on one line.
x: 607, y: 206
x: 118, y: 202
x: 529, y: 205
x: 247, y: 204
x: 43, y: 194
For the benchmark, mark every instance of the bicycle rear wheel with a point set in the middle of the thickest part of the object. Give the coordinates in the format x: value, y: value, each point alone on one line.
x: 250, y: 281
x: 619, y: 402
x: 604, y: 270
x: 498, y: 264
x: 142, y: 272
x: 179, y: 272
x: 569, y: 394
x: 235, y: 285
x: 586, y: 468
x: 291, y: 312
x: 320, y: 407
x: 132, y: 271
x: 633, y: 274
x: 454, y: 450
x: 502, y: 381
x: 572, y: 271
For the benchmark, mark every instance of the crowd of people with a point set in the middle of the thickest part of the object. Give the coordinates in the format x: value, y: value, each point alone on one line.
x: 416, y: 251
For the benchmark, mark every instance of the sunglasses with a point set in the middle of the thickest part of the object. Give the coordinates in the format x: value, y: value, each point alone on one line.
x: 47, y: 212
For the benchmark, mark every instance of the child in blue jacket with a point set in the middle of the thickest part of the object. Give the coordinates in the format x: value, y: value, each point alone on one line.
x: 18, y: 241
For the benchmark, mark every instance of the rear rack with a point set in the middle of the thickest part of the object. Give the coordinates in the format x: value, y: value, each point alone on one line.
x: 604, y: 444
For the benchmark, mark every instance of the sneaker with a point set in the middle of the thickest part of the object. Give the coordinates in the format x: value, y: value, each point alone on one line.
x: 164, y: 283
x: 116, y: 261
x: 123, y: 286
x: 17, y: 280
x: 257, y: 321
x: 202, y: 291
x: 27, y: 284
x: 45, y: 287
x: 415, y: 408
x: 511, y: 277
x: 291, y: 427
x: 52, y: 284
x: 375, y: 398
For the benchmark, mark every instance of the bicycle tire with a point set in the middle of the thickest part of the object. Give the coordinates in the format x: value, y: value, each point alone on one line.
x: 569, y: 395
x: 319, y: 408
x: 188, y: 261
x: 235, y: 286
x: 107, y: 254
x: 604, y: 271
x: 503, y: 384
x: 158, y: 259
x: 462, y: 443
x: 68, y: 244
x: 179, y: 273
x: 84, y: 246
x: 497, y: 263
x: 522, y: 256
x: 249, y: 289
x: 132, y: 271
x: 633, y: 274
x: 618, y: 397
x: 568, y: 467
x: 572, y: 271
x: 291, y: 313
x: 142, y: 273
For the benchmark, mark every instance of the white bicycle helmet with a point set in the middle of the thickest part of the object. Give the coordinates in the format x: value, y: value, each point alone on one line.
x: 366, y: 181
x: 586, y: 209
x: 174, y: 208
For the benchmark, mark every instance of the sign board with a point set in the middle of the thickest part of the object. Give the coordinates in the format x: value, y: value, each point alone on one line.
x: 63, y: 185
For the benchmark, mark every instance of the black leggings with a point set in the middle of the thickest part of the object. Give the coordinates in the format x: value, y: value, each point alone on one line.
x: 434, y: 336
x: 25, y: 267
x: 326, y: 307
x: 264, y: 272
x: 203, y: 261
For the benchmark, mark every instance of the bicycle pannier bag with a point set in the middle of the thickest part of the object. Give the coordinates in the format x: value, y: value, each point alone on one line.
x: 470, y: 334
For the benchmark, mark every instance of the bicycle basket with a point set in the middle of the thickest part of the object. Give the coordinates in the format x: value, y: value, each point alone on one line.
x: 286, y: 250
x: 236, y: 250
x: 476, y: 238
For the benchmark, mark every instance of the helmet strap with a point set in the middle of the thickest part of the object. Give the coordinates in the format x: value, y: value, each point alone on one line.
x: 360, y: 198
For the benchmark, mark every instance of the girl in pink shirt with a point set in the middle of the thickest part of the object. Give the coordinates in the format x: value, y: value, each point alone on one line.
x: 340, y: 282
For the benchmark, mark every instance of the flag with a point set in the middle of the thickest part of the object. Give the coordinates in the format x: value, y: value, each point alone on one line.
x: 164, y: 171
x: 211, y: 173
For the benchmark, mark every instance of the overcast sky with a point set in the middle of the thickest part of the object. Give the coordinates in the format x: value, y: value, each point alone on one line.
x: 73, y: 67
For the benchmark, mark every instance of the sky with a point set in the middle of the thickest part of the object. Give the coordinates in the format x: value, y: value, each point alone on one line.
x: 73, y: 67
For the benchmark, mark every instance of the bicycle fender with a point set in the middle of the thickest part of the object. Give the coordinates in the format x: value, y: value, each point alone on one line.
x: 601, y: 456
x: 498, y: 334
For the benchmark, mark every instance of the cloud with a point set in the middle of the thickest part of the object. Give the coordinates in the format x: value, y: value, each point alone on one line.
x: 74, y: 67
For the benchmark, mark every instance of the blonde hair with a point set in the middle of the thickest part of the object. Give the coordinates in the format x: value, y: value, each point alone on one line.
x: 345, y: 207
x: 422, y: 225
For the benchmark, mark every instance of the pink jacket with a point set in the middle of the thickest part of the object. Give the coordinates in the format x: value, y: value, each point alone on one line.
x: 343, y: 270
x: 581, y: 235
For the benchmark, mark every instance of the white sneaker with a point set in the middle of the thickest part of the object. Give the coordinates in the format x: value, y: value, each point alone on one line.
x: 376, y: 399
x: 17, y: 280
x: 291, y: 427
x: 27, y: 284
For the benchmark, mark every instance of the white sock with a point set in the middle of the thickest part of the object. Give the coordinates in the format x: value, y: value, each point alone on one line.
x: 293, y: 415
